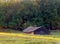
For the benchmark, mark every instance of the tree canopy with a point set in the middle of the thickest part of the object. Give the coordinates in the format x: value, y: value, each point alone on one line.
x: 21, y: 15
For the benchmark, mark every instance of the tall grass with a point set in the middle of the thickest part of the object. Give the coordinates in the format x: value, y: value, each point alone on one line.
x: 20, y: 40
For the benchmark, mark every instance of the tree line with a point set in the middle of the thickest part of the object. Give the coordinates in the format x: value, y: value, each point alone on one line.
x: 21, y: 15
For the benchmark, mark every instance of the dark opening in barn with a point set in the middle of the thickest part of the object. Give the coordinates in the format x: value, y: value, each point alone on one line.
x: 42, y: 31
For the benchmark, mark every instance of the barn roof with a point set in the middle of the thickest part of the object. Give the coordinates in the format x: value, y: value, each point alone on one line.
x: 30, y: 29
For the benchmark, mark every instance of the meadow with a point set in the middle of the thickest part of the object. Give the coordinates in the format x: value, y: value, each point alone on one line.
x: 21, y: 38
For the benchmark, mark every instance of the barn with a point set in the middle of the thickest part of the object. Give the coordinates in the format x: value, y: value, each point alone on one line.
x: 36, y: 30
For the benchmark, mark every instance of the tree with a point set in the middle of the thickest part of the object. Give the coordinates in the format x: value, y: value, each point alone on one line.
x: 48, y: 12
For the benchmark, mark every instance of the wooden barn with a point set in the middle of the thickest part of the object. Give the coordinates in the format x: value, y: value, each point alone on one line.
x: 36, y: 30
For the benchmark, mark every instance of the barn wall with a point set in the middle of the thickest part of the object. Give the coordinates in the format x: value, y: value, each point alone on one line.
x: 41, y: 31
x: 29, y: 33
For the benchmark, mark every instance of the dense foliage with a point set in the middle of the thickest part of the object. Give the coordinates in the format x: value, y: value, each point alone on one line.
x: 21, y: 15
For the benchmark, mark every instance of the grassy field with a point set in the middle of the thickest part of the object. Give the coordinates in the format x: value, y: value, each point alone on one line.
x: 20, y: 38
x: 5, y: 39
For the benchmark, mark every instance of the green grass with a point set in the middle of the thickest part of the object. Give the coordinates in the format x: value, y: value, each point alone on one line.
x: 55, y: 33
x: 5, y: 39
x: 20, y: 40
